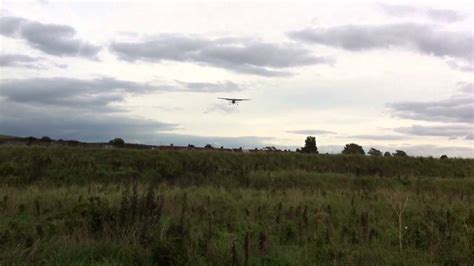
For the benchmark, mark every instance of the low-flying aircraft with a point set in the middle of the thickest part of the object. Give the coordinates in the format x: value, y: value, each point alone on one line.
x: 234, y: 100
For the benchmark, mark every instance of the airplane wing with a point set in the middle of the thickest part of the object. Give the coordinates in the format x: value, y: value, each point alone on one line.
x: 234, y: 99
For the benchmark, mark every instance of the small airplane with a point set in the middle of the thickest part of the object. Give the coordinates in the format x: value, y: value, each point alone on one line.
x: 234, y: 100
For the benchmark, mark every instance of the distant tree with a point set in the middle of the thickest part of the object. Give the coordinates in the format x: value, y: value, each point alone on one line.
x: 270, y: 148
x: 118, y: 142
x: 387, y: 154
x: 46, y: 139
x: 30, y: 140
x: 374, y: 152
x: 400, y: 153
x: 354, y: 149
x: 443, y: 157
x: 310, y: 145
x: 208, y: 146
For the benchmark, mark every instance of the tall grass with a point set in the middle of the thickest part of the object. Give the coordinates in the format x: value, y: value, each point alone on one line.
x: 129, y: 207
x: 26, y: 165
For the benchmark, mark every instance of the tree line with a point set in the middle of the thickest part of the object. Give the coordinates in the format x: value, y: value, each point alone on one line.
x: 352, y: 149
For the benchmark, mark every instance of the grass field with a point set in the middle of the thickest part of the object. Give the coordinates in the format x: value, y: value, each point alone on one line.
x: 145, y: 207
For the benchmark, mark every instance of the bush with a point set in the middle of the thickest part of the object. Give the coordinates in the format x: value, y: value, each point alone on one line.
x: 374, y: 152
x: 353, y: 149
x: 118, y: 142
x: 310, y: 145
x: 46, y: 139
x: 400, y: 153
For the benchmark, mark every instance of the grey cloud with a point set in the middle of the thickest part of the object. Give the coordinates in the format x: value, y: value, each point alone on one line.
x: 223, y: 86
x: 18, y: 60
x: 443, y: 15
x: 61, y: 122
x: 84, y: 110
x: 310, y: 132
x: 450, y: 131
x: 10, y: 26
x: 26, y: 61
x: 459, y: 108
x: 238, y: 55
x: 53, y: 39
x: 426, y: 39
x: 375, y: 137
x: 98, y: 94
x: 74, y: 109
x: 466, y: 66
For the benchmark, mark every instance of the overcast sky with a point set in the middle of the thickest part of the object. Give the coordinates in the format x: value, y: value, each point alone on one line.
x: 389, y: 76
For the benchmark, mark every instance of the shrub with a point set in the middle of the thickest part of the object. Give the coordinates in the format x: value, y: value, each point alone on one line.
x: 310, y: 145
x: 400, y: 153
x: 118, y: 142
x: 353, y: 149
x: 374, y: 152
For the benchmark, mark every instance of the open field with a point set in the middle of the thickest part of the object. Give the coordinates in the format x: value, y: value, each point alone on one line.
x: 123, y: 206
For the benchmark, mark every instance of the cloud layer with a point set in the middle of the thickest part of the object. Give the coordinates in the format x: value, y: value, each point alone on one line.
x: 375, y: 137
x: 87, y: 95
x: 455, y: 113
x: 458, y: 109
x: 19, y: 60
x: 53, y: 39
x: 442, y: 15
x: 73, y: 109
x: 90, y: 110
x: 95, y: 94
x: 451, y: 131
x: 238, y: 55
x: 310, y: 132
x: 222, y: 86
x: 63, y: 122
x: 424, y: 38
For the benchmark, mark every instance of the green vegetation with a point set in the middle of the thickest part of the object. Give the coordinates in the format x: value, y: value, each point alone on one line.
x: 118, y: 142
x: 81, y: 206
x: 374, y: 152
x: 353, y: 149
x: 310, y: 145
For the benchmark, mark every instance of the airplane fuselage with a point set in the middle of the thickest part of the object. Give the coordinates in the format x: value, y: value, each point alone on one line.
x: 234, y: 101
